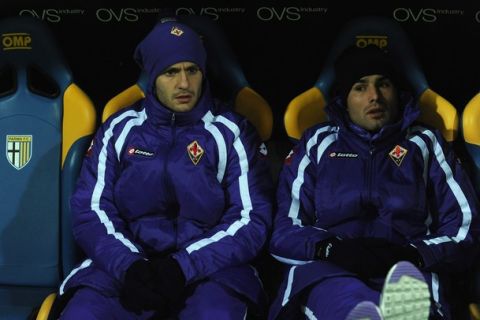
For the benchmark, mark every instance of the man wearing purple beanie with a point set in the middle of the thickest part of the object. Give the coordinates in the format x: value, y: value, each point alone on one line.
x: 374, y: 209
x: 173, y: 201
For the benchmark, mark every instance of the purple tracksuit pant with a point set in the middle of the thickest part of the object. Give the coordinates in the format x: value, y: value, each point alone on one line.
x: 307, y: 293
x: 209, y: 300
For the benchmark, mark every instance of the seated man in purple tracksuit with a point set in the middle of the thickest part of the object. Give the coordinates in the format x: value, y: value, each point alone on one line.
x: 363, y: 191
x: 173, y: 200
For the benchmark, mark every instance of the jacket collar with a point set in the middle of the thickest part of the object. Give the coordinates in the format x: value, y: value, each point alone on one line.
x: 159, y: 115
x: 337, y: 113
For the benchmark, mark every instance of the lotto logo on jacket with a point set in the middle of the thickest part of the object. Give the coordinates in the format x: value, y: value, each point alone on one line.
x: 343, y: 155
x: 139, y: 152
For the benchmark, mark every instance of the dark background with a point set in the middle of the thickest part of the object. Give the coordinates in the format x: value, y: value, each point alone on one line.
x: 281, y: 45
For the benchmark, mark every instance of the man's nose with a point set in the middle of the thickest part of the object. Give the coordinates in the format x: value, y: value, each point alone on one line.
x: 183, y: 81
x: 373, y: 92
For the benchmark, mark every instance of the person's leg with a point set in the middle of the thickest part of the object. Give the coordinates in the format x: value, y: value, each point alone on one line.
x: 334, y: 298
x: 88, y: 304
x: 211, y: 300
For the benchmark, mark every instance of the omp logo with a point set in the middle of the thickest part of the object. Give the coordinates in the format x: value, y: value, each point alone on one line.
x: 16, y: 41
x: 416, y: 15
x: 279, y: 14
x: 477, y: 16
x: 117, y: 15
x: 379, y: 41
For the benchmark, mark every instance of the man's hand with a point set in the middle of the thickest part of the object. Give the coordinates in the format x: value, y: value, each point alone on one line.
x: 367, y: 257
x: 137, y: 292
x: 169, y: 279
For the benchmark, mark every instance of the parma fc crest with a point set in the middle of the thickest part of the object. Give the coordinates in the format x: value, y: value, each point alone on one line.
x: 195, y: 152
x: 19, y: 150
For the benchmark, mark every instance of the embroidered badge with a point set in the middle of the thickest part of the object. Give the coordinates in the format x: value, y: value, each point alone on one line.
x: 289, y: 157
x: 135, y: 151
x: 89, y: 150
x: 397, y: 154
x: 19, y: 150
x: 263, y: 149
x: 195, y: 152
x: 176, y: 31
x: 343, y: 155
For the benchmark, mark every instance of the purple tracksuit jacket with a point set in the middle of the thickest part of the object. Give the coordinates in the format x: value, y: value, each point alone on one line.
x: 195, y: 184
x: 403, y: 184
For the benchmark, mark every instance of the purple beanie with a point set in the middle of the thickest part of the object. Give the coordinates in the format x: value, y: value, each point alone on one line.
x: 168, y: 43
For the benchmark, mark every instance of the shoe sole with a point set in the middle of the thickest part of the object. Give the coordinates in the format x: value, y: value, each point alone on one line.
x: 405, y: 294
x: 365, y: 310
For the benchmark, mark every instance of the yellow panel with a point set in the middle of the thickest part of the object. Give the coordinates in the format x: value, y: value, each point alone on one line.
x: 79, y: 117
x: 46, y: 307
x: 248, y: 103
x: 307, y: 109
x: 474, y: 311
x: 470, y: 121
x: 439, y: 113
x: 251, y: 105
x: 124, y: 99
x: 304, y: 111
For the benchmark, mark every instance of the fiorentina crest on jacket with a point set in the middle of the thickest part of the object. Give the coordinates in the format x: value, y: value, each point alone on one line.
x: 176, y: 31
x: 19, y: 150
x: 195, y: 152
x: 397, y: 154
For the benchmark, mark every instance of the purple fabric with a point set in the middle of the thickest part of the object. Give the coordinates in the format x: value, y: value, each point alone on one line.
x: 211, y: 300
x: 89, y: 304
x: 169, y: 43
x: 348, y: 292
x: 208, y: 300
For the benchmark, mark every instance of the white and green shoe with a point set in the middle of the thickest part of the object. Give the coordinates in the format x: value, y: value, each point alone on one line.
x: 405, y: 294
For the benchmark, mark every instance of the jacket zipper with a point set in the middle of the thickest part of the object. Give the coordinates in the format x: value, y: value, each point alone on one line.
x: 170, y: 147
x: 168, y: 181
x: 370, y: 165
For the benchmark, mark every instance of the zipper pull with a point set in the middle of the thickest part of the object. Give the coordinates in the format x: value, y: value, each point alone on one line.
x: 372, y: 148
x: 172, y: 121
